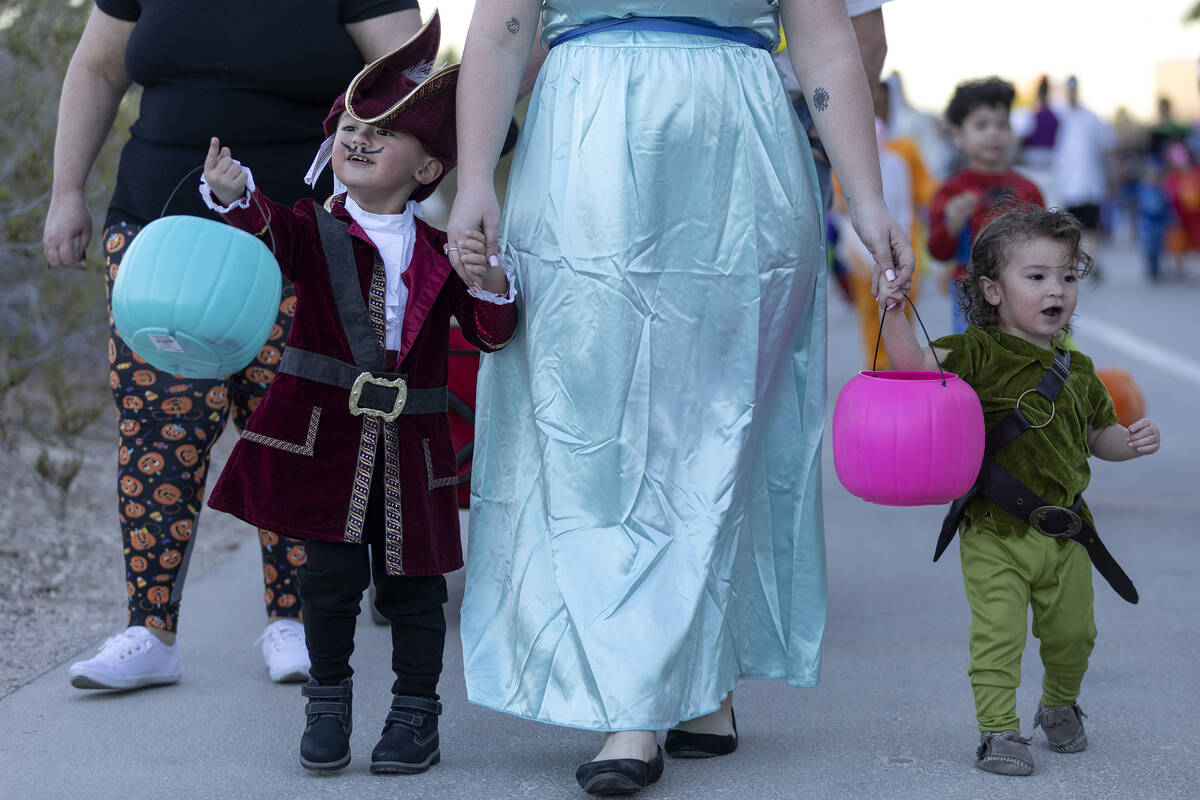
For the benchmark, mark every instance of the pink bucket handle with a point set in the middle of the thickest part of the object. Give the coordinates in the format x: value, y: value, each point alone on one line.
x: 879, y: 338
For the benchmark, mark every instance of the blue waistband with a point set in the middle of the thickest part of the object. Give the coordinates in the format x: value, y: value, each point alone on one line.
x: 690, y: 25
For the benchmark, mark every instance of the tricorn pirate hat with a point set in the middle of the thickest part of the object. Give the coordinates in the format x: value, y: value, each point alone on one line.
x: 403, y: 92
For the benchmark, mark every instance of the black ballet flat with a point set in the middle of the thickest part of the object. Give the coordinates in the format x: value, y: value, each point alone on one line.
x: 682, y: 744
x: 619, y: 775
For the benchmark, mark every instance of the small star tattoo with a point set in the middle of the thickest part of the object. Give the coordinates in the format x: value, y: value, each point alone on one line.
x: 820, y: 98
x: 513, y: 25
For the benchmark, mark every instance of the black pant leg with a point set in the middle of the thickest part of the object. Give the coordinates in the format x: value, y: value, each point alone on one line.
x: 414, y: 606
x: 332, y: 583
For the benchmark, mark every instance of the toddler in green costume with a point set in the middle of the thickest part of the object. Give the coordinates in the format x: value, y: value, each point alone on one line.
x: 1019, y: 296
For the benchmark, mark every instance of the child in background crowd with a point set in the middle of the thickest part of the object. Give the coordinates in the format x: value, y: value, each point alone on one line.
x: 1182, y: 186
x: 1152, y: 216
x: 978, y: 115
x: 1019, y: 295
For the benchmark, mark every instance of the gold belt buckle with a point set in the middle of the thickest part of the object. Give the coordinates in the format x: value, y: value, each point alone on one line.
x: 1039, y: 515
x: 356, y: 393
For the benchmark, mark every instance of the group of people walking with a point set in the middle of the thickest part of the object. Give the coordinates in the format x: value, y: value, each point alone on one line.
x: 651, y: 303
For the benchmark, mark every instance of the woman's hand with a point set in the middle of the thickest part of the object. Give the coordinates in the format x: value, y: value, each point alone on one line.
x: 888, y: 243
x: 68, y: 231
x: 475, y: 209
x: 95, y: 82
x: 223, y: 174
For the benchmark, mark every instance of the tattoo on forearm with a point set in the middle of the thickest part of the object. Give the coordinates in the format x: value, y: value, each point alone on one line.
x: 820, y: 98
x: 513, y: 25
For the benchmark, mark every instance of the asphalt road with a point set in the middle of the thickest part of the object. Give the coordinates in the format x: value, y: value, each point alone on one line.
x: 894, y: 718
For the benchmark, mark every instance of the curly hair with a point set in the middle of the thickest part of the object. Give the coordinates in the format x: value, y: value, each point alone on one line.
x: 984, y: 93
x: 992, y: 247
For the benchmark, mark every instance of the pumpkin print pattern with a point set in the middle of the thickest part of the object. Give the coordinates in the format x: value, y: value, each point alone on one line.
x: 167, y: 425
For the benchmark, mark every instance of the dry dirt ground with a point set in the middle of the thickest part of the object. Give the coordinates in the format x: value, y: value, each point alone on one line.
x: 62, y: 576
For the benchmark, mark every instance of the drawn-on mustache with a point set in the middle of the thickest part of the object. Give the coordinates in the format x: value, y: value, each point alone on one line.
x: 356, y: 150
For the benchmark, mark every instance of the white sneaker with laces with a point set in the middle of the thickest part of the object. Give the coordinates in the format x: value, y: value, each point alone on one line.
x: 130, y: 660
x: 284, y: 651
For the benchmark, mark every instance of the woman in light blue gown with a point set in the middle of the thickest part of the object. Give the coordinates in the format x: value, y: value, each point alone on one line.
x: 646, y: 521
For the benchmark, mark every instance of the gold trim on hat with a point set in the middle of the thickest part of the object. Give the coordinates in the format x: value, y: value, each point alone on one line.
x: 400, y: 106
x: 437, y: 82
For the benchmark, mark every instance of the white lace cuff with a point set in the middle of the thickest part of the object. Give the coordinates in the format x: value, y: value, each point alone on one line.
x: 242, y: 202
x: 492, y: 297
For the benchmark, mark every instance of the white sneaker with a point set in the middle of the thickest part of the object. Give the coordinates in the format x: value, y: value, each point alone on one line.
x: 284, y: 651
x: 130, y: 660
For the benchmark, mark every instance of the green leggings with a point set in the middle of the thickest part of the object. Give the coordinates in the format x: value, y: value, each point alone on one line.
x: 1004, y: 576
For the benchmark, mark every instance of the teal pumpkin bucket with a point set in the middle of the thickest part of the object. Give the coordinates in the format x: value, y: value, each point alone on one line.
x: 195, y: 297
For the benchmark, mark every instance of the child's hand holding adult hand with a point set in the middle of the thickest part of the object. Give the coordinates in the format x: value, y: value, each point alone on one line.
x: 223, y: 174
x: 472, y: 257
x: 1143, y: 437
x: 890, y: 297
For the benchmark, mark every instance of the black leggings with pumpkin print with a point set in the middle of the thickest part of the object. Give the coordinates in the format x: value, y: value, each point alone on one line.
x: 167, y: 426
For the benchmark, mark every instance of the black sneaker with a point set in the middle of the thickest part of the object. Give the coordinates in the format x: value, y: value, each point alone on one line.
x: 409, y: 743
x: 325, y: 744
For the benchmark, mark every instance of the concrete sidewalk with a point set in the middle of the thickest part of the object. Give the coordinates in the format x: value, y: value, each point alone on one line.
x: 894, y: 718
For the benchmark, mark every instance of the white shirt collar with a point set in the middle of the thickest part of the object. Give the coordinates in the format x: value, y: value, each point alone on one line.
x: 394, y: 224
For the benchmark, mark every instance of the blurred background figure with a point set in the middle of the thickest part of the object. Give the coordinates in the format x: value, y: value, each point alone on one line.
x: 1153, y: 216
x: 905, y: 121
x: 1081, y: 150
x: 1037, y: 137
x: 1182, y: 187
x: 1165, y: 131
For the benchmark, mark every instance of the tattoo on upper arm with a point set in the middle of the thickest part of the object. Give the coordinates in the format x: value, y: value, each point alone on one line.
x: 513, y: 25
x: 820, y: 98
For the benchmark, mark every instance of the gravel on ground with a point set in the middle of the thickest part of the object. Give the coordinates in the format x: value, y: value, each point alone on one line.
x: 62, y: 575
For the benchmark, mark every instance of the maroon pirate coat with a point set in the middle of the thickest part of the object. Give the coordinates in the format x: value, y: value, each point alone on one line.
x: 303, y: 465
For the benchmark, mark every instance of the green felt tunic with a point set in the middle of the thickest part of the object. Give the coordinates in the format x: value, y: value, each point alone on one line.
x: 1052, y: 461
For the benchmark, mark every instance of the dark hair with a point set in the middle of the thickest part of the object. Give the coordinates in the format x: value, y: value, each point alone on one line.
x: 979, y: 94
x: 990, y: 253
x: 1043, y: 89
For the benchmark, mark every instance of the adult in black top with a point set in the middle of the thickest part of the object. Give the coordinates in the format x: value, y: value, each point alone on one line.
x: 260, y: 75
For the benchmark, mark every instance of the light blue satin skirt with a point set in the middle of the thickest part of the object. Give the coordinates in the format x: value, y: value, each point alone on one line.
x: 646, y: 521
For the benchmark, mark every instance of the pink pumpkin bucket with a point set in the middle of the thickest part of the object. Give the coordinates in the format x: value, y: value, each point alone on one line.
x: 907, y: 438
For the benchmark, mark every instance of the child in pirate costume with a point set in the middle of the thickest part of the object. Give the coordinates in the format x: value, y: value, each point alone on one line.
x: 1026, y: 533
x: 350, y: 449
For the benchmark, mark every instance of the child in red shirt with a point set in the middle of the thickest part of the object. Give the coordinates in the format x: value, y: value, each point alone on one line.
x: 986, y: 186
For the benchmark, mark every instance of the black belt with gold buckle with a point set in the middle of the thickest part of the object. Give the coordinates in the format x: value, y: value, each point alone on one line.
x: 385, y: 395
x: 369, y: 381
